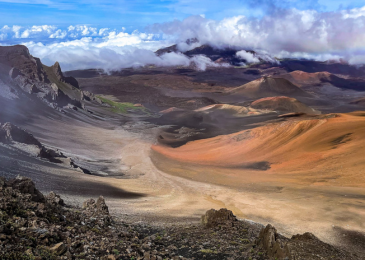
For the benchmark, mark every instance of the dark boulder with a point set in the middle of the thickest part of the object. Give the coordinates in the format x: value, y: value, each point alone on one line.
x: 27, y: 186
x: 58, y: 72
x: 273, y: 243
x: 101, y: 206
x: 2, y: 182
x: 96, y: 208
x: 54, y: 199
x: 213, y: 218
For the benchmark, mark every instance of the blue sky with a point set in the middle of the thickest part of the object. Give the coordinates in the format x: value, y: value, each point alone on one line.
x: 113, y: 34
x: 136, y: 14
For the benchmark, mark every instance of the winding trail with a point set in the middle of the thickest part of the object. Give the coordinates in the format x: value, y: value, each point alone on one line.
x: 152, y: 195
x: 290, y: 208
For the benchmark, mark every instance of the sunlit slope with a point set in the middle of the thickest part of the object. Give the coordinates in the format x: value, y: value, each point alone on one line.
x: 231, y: 110
x: 332, y: 147
x: 283, y: 104
x: 301, y: 78
x: 268, y: 87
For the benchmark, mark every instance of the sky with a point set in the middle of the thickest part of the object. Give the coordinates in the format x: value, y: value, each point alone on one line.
x: 122, y: 33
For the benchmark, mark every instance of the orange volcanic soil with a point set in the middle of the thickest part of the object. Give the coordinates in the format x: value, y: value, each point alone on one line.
x: 330, y: 147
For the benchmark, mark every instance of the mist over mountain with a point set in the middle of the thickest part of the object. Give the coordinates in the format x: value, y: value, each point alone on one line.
x: 281, y: 33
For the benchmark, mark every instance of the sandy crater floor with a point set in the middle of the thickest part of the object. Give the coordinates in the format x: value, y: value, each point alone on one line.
x: 185, y: 193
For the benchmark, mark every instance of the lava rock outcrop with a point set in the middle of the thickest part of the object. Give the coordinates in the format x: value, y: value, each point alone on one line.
x: 34, y: 226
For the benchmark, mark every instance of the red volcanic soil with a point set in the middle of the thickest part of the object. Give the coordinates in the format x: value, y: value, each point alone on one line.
x: 301, y: 78
x: 283, y: 104
x: 268, y: 87
x: 329, y: 147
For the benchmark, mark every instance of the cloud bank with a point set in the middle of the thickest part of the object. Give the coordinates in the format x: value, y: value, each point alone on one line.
x: 84, y: 47
x: 283, y: 33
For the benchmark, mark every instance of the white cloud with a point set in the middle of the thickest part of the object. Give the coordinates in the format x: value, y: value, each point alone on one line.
x: 45, y: 30
x: 309, y: 56
x: 59, y: 34
x: 102, y: 31
x: 16, y: 31
x: 354, y: 13
x: 42, y: 32
x: 201, y: 62
x: 290, y: 31
x: 113, y: 52
x: 247, y: 56
x: 283, y: 34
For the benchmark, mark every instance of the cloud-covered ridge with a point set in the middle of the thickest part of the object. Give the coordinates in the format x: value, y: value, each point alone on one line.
x: 286, y: 33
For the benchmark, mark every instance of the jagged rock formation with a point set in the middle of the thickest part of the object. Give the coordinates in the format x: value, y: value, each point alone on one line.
x: 26, y: 186
x: 98, y: 207
x: 58, y: 72
x: 11, y: 133
x: 213, y: 218
x: 273, y: 243
x: 54, y: 199
x: 34, y: 226
x: 31, y: 76
x: 306, y: 246
x: 18, y: 57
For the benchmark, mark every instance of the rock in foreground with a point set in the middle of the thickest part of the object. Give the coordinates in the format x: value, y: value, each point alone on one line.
x: 213, y: 218
x: 34, y: 226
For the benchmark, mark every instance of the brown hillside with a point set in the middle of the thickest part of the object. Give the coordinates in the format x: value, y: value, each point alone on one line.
x: 283, y: 104
x: 268, y: 87
x: 301, y: 78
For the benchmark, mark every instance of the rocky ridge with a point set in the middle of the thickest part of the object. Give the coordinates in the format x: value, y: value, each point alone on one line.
x: 19, y: 138
x: 25, y: 73
x: 35, y: 226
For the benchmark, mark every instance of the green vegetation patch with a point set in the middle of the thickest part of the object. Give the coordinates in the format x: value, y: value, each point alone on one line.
x: 121, y: 107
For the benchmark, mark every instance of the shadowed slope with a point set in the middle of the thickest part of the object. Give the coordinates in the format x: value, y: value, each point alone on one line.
x: 360, y: 102
x: 303, y: 79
